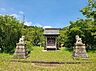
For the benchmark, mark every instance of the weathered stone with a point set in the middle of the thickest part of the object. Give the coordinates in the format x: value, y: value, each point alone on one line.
x: 20, y: 51
x: 79, y: 49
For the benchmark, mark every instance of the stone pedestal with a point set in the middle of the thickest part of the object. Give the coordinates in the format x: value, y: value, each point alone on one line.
x: 79, y: 49
x: 20, y: 51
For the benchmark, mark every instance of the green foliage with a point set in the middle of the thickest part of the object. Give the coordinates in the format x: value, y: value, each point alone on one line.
x: 62, y: 38
x: 83, y: 29
x: 90, y: 10
x: 29, y: 46
x: 10, y: 31
x: 33, y: 34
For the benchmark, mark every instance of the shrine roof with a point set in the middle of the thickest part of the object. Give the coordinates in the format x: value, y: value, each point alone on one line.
x: 51, y: 31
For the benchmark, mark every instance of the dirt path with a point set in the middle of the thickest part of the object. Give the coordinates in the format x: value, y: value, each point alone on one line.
x: 46, y: 62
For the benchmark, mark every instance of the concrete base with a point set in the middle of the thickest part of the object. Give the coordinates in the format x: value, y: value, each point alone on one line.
x: 50, y: 50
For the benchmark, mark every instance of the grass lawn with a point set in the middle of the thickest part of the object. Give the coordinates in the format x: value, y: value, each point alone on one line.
x: 37, y: 54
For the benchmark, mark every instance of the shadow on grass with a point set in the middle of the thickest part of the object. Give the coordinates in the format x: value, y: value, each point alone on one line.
x: 93, y: 50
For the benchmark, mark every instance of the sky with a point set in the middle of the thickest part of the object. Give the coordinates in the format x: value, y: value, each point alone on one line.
x: 44, y: 13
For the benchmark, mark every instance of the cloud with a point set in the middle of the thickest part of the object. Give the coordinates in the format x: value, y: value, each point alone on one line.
x: 28, y: 23
x: 15, y: 15
x: 18, y: 16
x: 38, y: 25
x: 47, y: 27
x: 2, y: 9
x: 21, y: 12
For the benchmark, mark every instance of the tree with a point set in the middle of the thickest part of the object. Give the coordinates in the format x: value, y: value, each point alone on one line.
x: 10, y: 32
x: 34, y: 35
x: 90, y: 12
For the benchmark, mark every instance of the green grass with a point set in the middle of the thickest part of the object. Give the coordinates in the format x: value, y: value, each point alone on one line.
x: 37, y: 54
x: 63, y: 55
x: 4, y: 56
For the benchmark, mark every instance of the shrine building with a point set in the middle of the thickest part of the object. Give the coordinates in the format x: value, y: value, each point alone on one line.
x: 51, y: 35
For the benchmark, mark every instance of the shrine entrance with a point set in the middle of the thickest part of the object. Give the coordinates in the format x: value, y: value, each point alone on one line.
x: 51, y: 41
x: 51, y: 35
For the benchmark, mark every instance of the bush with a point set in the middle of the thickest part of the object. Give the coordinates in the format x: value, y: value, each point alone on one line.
x: 29, y: 46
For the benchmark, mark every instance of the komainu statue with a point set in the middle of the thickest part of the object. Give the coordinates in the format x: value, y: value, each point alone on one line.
x: 79, y: 49
x: 20, y: 51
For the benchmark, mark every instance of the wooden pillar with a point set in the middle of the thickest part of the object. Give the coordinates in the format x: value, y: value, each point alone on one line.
x: 45, y: 43
x: 57, y: 44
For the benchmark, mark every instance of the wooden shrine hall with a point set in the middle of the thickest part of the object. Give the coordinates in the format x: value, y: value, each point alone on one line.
x: 51, y: 35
